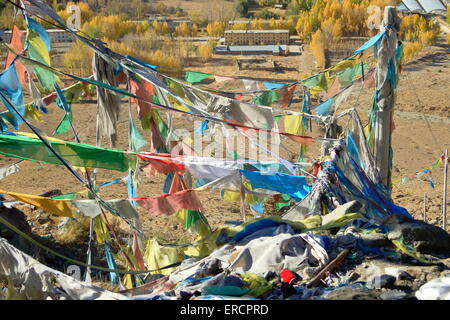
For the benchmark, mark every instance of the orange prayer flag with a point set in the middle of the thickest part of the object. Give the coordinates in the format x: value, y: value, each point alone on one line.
x: 17, y: 45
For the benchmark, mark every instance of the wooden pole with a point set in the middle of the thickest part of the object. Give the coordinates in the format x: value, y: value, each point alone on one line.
x: 425, y: 207
x: 333, y: 264
x: 444, y: 196
x: 243, y: 200
x: 385, y: 93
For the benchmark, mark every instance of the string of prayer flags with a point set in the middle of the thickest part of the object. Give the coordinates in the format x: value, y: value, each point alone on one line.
x: 418, y: 175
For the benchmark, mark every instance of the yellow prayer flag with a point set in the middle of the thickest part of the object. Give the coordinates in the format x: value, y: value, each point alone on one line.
x: 292, y: 123
x: 56, y: 206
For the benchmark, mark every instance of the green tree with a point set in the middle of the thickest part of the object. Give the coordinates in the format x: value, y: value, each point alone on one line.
x: 242, y: 7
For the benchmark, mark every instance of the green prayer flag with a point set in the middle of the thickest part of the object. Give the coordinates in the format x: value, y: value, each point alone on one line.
x: 77, y: 154
x: 195, y: 77
x: 266, y: 98
x: 136, y: 139
x: 68, y: 196
x: 317, y: 80
x: 65, y: 123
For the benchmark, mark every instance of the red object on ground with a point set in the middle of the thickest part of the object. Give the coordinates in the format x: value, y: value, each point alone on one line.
x: 287, y: 275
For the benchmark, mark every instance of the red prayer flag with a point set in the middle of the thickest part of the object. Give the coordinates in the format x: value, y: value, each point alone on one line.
x: 171, y: 203
x: 156, y: 166
x: 285, y: 95
x: 143, y: 90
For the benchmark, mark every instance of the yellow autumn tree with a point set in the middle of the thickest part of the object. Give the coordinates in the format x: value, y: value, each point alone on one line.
x: 204, y: 52
x: 216, y: 29
x: 415, y: 27
x: 318, y: 46
x: 78, y: 59
x: 182, y: 30
x: 165, y: 29
x: 194, y: 30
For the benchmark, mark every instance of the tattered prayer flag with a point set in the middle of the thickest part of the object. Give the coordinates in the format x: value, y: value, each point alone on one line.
x: 170, y: 203
x: 292, y: 124
x: 61, y: 102
x: 251, y: 85
x: 55, y: 206
x: 285, y: 95
x: 111, y: 264
x: 325, y: 108
x: 137, y: 251
x: 77, y: 154
x: 38, y: 48
x: 274, y: 85
x: 194, y: 221
x: 318, y: 83
x: 346, y: 77
x: 220, y: 79
x: 10, y: 87
x: 344, y: 64
x: 294, y: 186
x: 315, y: 81
x: 136, y: 139
x: 369, y: 81
x: 371, y: 42
x: 145, y: 91
x: 334, y: 89
x: 203, y: 127
x: 266, y: 98
x: 17, y: 45
x: 40, y: 30
x: 65, y: 124
x: 156, y: 166
x: 195, y: 77
x: 8, y: 170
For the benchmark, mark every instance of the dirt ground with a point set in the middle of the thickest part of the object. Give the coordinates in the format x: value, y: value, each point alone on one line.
x: 417, y: 142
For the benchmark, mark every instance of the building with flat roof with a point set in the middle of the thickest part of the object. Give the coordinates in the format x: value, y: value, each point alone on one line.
x: 252, y: 50
x: 55, y: 36
x: 255, y: 37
